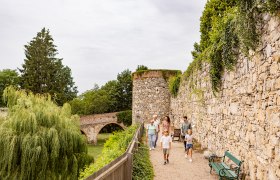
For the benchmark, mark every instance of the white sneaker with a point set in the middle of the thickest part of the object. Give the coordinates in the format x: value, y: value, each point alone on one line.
x: 186, y: 156
x: 190, y: 160
x: 153, y: 148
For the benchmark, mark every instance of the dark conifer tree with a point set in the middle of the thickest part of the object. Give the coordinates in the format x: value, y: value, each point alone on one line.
x: 42, y: 72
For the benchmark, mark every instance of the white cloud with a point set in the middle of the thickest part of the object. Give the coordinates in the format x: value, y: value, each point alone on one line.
x: 99, y: 38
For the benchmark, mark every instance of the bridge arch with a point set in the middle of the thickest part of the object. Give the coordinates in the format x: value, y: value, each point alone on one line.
x: 118, y: 124
x: 92, y: 124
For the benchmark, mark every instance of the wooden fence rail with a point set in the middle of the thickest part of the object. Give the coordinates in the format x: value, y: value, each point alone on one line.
x: 121, y: 167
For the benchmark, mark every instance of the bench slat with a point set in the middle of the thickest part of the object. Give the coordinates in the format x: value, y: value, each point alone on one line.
x: 230, y: 173
x: 234, y: 159
x: 225, y: 165
x: 218, y: 166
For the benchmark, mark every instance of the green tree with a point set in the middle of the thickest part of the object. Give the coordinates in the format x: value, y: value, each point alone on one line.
x: 115, y: 95
x: 95, y: 101
x: 111, y: 87
x: 214, y: 9
x: 7, y: 77
x: 43, y: 72
x: 40, y: 140
x: 124, y: 94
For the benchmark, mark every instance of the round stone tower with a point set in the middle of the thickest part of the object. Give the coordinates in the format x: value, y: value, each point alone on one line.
x: 150, y: 94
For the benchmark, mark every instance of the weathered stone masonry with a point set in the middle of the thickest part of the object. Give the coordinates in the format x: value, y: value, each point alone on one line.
x: 150, y: 95
x: 244, y: 117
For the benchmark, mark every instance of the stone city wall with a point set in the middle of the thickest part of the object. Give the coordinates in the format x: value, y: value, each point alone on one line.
x: 244, y: 117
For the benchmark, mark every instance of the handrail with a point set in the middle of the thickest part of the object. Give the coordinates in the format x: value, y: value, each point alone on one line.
x: 121, y: 167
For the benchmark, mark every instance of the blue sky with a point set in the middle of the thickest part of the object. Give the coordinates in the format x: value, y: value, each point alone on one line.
x: 98, y: 39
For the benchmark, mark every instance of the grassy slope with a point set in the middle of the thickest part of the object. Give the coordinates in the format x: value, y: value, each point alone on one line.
x: 95, y: 150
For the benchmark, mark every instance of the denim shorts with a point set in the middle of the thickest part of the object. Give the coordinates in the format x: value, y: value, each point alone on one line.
x: 189, y: 146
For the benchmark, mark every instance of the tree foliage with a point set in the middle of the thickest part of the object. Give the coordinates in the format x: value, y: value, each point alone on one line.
x: 40, y: 140
x: 124, y: 90
x: 174, y: 84
x: 141, y: 68
x: 125, y: 117
x: 115, y: 95
x: 43, y: 72
x: 7, y: 77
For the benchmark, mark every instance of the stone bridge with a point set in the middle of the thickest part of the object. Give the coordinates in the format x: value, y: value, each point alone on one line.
x: 92, y: 124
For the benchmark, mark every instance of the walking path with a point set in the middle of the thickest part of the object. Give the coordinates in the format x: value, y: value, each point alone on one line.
x: 179, y: 167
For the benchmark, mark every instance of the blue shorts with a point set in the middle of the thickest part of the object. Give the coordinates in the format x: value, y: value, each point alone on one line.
x: 189, y: 146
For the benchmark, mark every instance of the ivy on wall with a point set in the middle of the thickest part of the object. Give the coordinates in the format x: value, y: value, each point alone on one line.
x: 228, y: 27
x: 174, y: 84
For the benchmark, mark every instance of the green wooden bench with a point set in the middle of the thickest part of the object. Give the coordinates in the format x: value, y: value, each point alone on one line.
x: 222, y: 169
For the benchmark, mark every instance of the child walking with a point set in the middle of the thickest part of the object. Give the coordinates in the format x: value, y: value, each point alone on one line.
x: 165, y: 142
x: 189, y: 144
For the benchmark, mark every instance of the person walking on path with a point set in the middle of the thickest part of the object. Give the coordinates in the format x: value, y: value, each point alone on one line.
x: 165, y: 142
x: 189, y: 146
x: 151, y: 134
x: 184, y: 128
x: 156, y: 122
x: 166, y: 124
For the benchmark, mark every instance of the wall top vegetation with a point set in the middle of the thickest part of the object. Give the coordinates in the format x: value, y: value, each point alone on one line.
x: 154, y: 73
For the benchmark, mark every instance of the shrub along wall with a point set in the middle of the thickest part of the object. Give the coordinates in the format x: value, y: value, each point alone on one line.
x: 142, y: 166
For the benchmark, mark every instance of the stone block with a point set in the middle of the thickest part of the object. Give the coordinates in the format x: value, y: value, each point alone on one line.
x: 274, y: 140
x: 268, y: 50
x: 278, y: 173
x: 261, y: 115
x: 233, y: 108
x: 274, y: 68
x: 260, y: 173
x: 276, y: 57
x: 273, y: 24
x: 277, y: 84
x: 275, y: 120
x: 272, y: 174
x: 266, y: 17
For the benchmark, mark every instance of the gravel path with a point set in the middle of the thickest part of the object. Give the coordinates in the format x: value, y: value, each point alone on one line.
x: 179, y: 167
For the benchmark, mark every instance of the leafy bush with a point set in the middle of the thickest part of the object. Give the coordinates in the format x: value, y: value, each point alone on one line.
x: 142, y: 166
x: 40, y: 140
x: 125, y: 117
x: 273, y: 5
x: 114, y: 147
x: 174, y: 84
x: 141, y: 68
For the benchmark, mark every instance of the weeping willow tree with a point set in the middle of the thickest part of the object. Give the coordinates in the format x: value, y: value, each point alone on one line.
x: 39, y: 140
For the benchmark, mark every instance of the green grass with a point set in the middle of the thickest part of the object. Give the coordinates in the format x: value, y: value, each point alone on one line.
x: 95, y: 150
